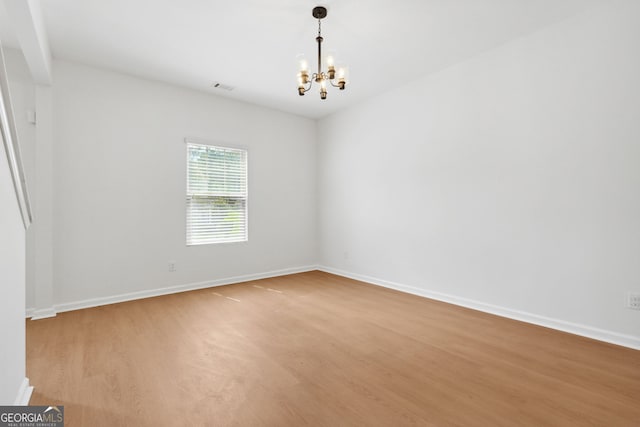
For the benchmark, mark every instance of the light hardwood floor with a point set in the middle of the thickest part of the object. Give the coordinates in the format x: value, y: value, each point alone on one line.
x: 315, y: 349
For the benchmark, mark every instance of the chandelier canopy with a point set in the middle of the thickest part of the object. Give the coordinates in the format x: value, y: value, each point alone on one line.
x: 336, y: 76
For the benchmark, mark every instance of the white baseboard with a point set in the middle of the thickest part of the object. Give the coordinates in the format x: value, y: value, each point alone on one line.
x: 24, y: 393
x: 42, y: 313
x: 573, y: 328
x: 130, y: 296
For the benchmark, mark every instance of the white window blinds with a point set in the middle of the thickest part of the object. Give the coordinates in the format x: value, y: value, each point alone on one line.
x: 216, y: 194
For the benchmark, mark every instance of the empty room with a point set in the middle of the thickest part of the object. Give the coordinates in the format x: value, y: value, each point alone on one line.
x: 293, y: 213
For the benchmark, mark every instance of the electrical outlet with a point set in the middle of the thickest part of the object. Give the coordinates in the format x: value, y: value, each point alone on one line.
x: 172, y: 266
x: 633, y: 301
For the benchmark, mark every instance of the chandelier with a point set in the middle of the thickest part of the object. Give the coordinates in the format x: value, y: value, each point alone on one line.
x: 335, y: 78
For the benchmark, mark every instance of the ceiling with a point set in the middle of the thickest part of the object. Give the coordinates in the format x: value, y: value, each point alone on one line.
x: 252, y: 44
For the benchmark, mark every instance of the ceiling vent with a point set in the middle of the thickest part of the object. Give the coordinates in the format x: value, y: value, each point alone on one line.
x: 218, y: 85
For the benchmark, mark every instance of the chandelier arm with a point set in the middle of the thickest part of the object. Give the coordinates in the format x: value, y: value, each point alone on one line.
x: 308, y: 87
x: 302, y: 90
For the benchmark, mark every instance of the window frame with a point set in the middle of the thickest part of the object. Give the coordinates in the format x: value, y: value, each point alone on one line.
x: 222, y: 146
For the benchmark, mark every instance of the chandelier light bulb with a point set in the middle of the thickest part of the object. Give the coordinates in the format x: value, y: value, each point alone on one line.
x: 343, y: 77
x: 302, y: 64
x: 330, y: 60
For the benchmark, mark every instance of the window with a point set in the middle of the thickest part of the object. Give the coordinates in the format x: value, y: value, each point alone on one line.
x: 216, y: 194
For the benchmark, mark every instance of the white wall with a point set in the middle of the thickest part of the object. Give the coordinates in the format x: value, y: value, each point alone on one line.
x: 12, y: 284
x: 511, y: 179
x: 119, y: 185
